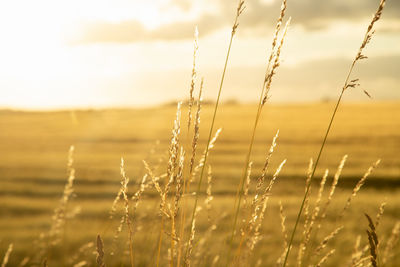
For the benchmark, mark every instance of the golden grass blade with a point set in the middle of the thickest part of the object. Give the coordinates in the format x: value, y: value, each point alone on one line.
x: 358, y: 187
x: 373, y: 241
x: 284, y: 233
x: 60, y: 213
x: 209, y: 197
x: 124, y: 182
x: 273, y: 63
x: 194, y: 75
x: 239, y: 10
x: 323, y: 260
x: 391, y: 243
x: 7, y: 255
x: 100, y: 252
x: 348, y: 83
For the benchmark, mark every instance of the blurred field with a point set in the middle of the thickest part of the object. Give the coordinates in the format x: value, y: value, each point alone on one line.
x: 34, y: 147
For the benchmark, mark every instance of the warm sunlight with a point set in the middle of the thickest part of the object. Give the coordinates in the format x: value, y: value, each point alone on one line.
x: 60, y: 54
x: 193, y: 133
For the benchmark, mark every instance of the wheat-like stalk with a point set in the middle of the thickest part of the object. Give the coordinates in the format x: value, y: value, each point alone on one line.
x: 373, y: 241
x: 308, y: 227
x: 239, y: 10
x: 284, y: 233
x: 196, y: 128
x: 53, y: 237
x: 124, y: 182
x: 325, y: 241
x: 333, y: 187
x: 7, y: 255
x: 347, y: 84
x: 190, y: 244
x: 358, y: 186
x: 194, y: 75
x: 209, y: 197
x: 272, y: 65
x: 330, y: 253
x: 380, y: 213
x: 202, y: 160
x: 391, y: 243
x: 259, y: 212
x: 100, y: 252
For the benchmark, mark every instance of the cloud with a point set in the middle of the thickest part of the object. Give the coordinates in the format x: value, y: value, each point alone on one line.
x: 134, y: 31
x: 310, y: 14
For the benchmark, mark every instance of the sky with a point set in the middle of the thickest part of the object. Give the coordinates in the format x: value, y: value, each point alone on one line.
x: 57, y: 54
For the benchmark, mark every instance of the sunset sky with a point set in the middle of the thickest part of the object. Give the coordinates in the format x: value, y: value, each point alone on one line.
x: 98, y: 53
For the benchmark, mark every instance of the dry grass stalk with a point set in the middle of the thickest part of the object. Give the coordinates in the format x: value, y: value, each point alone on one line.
x: 359, y: 185
x: 367, y: 38
x: 209, y: 197
x: 323, y: 260
x: 174, y: 211
x: 273, y: 64
x: 380, y: 213
x: 333, y: 187
x: 215, y: 260
x: 115, y: 202
x: 325, y: 241
x: 188, y: 177
x: 7, y: 255
x: 190, y: 244
x: 257, y: 203
x: 284, y: 233
x: 174, y: 172
x: 307, y: 216
x: 308, y: 192
x: 255, y: 222
x: 391, y: 243
x: 347, y: 84
x: 357, y: 254
x: 201, y: 250
x: 362, y: 262
x: 82, y: 251
x: 194, y: 75
x: 247, y: 185
x: 60, y: 213
x: 309, y: 227
x: 261, y: 179
x: 124, y: 182
x: 202, y: 159
x: 373, y: 241
x: 239, y: 10
x: 100, y: 252
x: 276, y: 61
x: 173, y: 150
x: 196, y: 127
x: 179, y: 183
x: 80, y: 264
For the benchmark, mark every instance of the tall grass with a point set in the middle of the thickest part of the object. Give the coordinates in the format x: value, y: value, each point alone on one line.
x: 272, y: 65
x: 172, y: 188
x: 348, y: 83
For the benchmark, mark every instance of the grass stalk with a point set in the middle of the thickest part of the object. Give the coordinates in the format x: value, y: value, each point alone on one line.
x: 273, y: 63
x: 239, y: 10
x: 347, y: 84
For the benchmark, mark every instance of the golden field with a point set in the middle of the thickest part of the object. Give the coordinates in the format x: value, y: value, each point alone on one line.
x: 34, y: 148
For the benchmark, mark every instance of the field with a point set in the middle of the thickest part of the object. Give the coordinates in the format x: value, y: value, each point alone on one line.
x: 33, y: 171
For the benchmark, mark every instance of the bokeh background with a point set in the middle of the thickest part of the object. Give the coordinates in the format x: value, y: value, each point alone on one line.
x: 105, y: 76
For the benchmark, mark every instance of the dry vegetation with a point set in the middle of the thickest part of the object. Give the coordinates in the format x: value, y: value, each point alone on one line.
x: 193, y: 201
